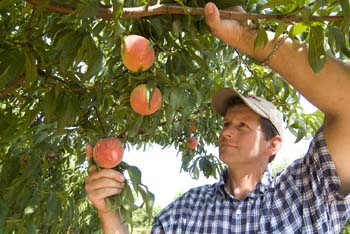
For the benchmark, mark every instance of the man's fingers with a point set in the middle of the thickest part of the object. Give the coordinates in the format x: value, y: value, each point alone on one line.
x: 104, y: 173
x: 212, y: 15
x: 102, y: 193
x: 101, y: 183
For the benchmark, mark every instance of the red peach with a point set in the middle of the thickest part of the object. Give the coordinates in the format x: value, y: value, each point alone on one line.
x: 137, y: 53
x: 138, y: 100
x: 192, y: 142
x: 108, y: 152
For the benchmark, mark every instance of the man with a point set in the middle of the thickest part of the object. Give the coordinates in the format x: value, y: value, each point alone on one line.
x: 310, y: 196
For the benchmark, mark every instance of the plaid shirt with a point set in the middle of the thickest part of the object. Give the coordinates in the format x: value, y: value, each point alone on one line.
x: 304, y: 198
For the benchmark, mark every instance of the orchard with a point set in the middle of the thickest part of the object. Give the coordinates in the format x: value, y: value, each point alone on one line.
x: 66, y: 80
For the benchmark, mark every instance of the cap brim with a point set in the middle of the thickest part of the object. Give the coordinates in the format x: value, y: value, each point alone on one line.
x: 220, y: 99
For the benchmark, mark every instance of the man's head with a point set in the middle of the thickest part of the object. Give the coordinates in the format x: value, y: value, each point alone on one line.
x: 268, y: 118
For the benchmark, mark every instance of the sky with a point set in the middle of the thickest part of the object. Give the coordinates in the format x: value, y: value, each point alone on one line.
x: 161, y: 167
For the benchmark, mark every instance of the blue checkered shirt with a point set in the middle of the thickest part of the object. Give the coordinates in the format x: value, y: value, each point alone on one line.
x: 304, y: 198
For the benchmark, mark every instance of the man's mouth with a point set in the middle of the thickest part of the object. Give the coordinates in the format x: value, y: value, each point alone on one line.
x: 228, y: 145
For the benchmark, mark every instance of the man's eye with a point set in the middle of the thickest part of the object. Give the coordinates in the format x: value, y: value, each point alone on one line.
x: 242, y: 125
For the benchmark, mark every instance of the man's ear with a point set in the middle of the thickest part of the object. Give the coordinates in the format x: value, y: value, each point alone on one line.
x: 274, y: 145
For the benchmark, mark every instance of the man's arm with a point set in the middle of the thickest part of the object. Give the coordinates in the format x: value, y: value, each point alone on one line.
x: 329, y: 89
x: 98, y: 186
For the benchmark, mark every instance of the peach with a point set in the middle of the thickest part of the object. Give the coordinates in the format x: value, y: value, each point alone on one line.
x: 192, y: 142
x: 108, y: 152
x: 137, y: 53
x: 138, y: 100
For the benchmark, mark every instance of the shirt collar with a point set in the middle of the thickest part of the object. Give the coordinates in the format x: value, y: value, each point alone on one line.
x: 264, y: 184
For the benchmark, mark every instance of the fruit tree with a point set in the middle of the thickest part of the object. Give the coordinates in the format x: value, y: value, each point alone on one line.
x: 63, y: 85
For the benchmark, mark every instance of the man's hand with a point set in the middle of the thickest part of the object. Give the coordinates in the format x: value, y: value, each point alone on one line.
x: 102, y: 184
x: 235, y: 33
x: 229, y: 31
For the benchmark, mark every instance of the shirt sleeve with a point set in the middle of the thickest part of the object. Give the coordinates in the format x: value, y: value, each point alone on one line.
x: 315, y: 180
x: 316, y: 172
x: 157, y: 227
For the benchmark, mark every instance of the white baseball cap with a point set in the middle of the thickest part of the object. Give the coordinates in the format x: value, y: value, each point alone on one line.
x: 259, y: 105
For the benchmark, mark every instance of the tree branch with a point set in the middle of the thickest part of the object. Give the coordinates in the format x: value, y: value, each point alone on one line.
x: 21, y: 79
x: 106, y: 12
x: 15, y: 85
x: 100, y: 121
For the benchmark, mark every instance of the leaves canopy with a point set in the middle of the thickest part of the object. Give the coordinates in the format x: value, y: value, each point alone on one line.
x: 63, y: 85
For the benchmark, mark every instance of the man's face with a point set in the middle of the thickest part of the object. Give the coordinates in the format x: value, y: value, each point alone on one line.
x: 242, y: 138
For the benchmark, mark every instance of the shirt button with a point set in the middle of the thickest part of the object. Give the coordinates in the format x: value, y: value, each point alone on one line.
x: 238, y: 212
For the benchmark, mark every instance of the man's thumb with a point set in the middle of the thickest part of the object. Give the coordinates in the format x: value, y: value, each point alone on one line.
x: 212, y: 15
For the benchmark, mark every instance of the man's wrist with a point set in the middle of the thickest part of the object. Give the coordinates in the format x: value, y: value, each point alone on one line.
x: 263, y: 53
x: 112, y: 222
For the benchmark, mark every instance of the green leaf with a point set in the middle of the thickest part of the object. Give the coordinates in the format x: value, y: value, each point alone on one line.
x: 336, y: 39
x: 53, y: 207
x: 69, y: 213
x: 169, y: 115
x: 49, y: 105
x: 155, y: 123
x: 87, y: 9
x: 117, y: 8
x: 6, y: 3
x: 94, y: 58
x: 297, y: 29
x: 176, y: 98
x: 67, y: 107
x: 194, y: 172
x: 316, y: 54
x: 31, y: 228
x: 40, y: 137
x: 4, y: 210
x: 12, y: 65
x: 285, y: 91
x: 150, y: 88
x: 276, y: 85
x: 135, y: 176
x: 275, y: 3
x: 148, y: 199
x: 205, y: 166
x: 31, y: 70
x: 69, y: 45
x: 261, y: 38
x: 345, y: 5
x: 306, y: 14
x: 128, y: 204
x: 134, y: 128
x: 222, y: 4
x: 300, y: 135
x: 280, y: 30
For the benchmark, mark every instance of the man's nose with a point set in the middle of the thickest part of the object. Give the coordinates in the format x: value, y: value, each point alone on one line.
x: 228, y: 133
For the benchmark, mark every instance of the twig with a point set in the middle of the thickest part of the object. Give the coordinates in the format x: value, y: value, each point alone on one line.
x: 8, y: 89
x: 100, y: 121
x: 161, y: 9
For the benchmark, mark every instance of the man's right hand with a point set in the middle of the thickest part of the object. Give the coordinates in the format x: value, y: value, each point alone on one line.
x: 101, y: 184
